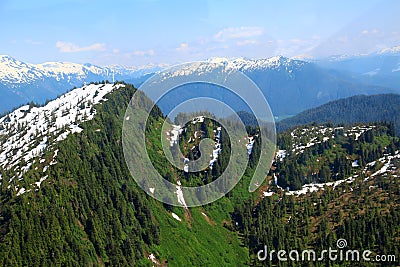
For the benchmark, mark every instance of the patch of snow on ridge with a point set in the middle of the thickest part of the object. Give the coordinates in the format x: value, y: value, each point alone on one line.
x: 41, y: 180
x: 22, y: 191
x: 314, y: 187
x: 174, y: 134
x: 176, y: 217
x: 268, y: 194
x: 250, y: 144
x: 281, y: 154
x: 179, y: 194
x: 217, y: 147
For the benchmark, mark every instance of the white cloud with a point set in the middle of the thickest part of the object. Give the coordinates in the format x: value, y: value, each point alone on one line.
x: 66, y: 47
x: 237, y: 33
x: 370, y: 32
x: 182, y: 47
x: 143, y: 53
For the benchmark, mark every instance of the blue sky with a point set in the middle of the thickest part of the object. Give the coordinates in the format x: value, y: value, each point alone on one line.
x: 141, y: 32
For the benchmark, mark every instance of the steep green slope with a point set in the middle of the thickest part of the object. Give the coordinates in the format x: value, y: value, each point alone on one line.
x: 90, y: 211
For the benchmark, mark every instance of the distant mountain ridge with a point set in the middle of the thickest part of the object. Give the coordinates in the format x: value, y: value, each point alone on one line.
x: 290, y: 86
x: 380, y: 68
x: 355, y: 109
x: 14, y: 72
x: 22, y: 82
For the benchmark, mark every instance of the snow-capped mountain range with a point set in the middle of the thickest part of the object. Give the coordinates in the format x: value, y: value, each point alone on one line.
x: 247, y: 65
x: 14, y: 72
x: 390, y: 50
x: 289, y: 85
x: 238, y: 64
x: 22, y: 82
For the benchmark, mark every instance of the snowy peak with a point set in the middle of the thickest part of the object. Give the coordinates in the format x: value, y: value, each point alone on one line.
x: 69, y: 68
x: 391, y: 50
x: 239, y: 64
x: 218, y: 60
x: 262, y: 64
x: 7, y: 60
x: 13, y: 71
x: 244, y: 64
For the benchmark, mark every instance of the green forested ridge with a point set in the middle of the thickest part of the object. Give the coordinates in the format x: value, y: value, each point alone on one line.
x: 355, y: 109
x: 90, y: 211
x: 331, y: 160
x: 365, y: 211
